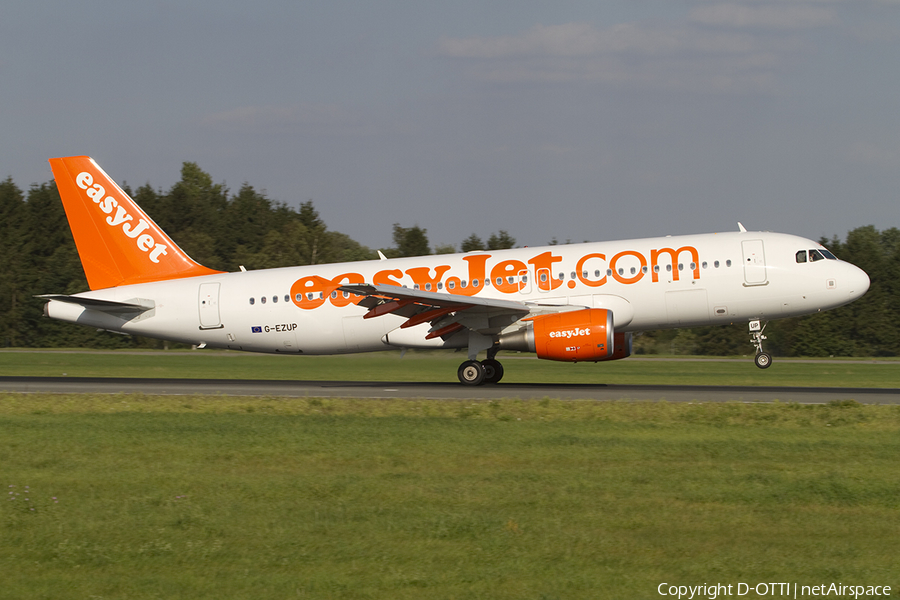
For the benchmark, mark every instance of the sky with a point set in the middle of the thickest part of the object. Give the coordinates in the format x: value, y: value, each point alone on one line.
x: 568, y: 120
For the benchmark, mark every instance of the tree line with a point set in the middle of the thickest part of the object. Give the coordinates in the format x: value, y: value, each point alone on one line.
x: 225, y: 231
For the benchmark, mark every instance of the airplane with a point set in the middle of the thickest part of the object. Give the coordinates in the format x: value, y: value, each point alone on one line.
x: 573, y: 303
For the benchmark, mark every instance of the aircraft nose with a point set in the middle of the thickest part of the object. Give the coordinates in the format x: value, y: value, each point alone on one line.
x: 857, y: 281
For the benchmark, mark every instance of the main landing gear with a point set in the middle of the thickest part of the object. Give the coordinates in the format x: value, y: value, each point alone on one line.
x: 763, y: 359
x: 473, y: 372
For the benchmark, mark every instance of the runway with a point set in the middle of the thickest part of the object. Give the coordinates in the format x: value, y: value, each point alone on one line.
x: 445, y: 391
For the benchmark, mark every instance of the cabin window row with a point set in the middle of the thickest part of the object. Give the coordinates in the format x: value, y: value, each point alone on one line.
x: 633, y: 270
x: 287, y: 297
x: 512, y: 279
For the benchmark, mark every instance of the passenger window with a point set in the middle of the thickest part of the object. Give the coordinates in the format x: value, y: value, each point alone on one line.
x: 450, y: 285
x: 801, y: 256
x: 543, y: 277
x: 475, y: 283
x: 275, y: 299
x: 704, y: 264
x: 728, y: 263
x: 669, y: 268
x: 499, y: 281
x: 252, y: 301
x: 716, y: 264
x: 656, y: 268
x: 815, y: 255
x: 287, y: 297
x: 263, y: 300
x: 462, y: 283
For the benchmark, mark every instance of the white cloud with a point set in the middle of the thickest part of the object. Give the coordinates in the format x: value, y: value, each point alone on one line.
x: 273, y: 118
x: 676, y: 56
x: 773, y: 16
x: 584, y: 40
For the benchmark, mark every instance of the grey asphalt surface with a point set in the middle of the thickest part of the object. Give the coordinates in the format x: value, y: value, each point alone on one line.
x: 446, y: 391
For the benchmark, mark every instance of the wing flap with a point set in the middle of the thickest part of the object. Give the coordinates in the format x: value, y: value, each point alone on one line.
x: 447, y: 313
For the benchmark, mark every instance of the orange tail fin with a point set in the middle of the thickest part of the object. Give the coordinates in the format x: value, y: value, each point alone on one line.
x: 117, y: 242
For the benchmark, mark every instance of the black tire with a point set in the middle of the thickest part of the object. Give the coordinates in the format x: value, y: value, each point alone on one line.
x: 471, y: 372
x: 763, y: 360
x: 493, y: 370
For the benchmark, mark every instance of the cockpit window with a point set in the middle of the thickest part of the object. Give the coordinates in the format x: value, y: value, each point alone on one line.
x: 815, y: 255
x: 828, y: 254
x: 801, y: 256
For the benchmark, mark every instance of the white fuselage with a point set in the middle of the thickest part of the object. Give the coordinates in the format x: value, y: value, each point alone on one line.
x: 653, y: 283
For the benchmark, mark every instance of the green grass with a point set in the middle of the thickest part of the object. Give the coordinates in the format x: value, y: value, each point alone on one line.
x: 219, y: 497
x: 441, y: 366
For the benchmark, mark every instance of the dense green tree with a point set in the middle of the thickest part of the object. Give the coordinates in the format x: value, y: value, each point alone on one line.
x: 471, y: 243
x: 410, y: 241
x: 444, y: 249
x: 247, y: 218
x: 500, y: 241
x: 14, y: 252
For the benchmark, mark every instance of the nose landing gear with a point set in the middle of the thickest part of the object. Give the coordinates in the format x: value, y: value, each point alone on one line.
x: 763, y: 359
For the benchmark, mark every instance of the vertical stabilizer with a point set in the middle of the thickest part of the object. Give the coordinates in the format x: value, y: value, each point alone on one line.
x: 117, y: 242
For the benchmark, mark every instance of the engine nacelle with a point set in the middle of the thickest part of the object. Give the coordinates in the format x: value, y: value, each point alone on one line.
x: 572, y: 336
x: 622, y: 346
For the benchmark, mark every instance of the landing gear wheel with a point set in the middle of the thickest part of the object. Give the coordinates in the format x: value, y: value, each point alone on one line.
x: 493, y: 370
x: 763, y: 360
x: 471, y: 372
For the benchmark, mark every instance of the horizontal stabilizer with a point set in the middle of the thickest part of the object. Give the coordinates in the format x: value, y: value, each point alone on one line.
x: 108, y: 306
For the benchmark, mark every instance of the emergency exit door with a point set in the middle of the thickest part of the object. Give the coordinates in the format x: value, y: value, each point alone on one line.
x: 209, y: 306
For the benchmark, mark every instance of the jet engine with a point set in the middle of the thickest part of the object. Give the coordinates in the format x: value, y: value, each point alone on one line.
x: 578, y: 335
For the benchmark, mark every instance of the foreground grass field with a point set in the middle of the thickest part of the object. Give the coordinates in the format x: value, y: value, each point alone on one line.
x: 441, y: 366
x: 196, y: 497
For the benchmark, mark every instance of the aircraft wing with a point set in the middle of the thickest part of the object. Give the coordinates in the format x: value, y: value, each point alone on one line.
x: 447, y: 313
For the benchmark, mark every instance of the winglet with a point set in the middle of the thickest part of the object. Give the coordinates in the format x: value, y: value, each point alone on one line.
x: 741, y: 227
x: 117, y: 242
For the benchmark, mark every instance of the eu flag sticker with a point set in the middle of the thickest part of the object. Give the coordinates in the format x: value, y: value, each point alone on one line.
x: 256, y: 329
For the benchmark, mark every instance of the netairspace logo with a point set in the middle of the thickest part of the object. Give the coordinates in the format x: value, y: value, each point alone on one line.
x: 780, y: 589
